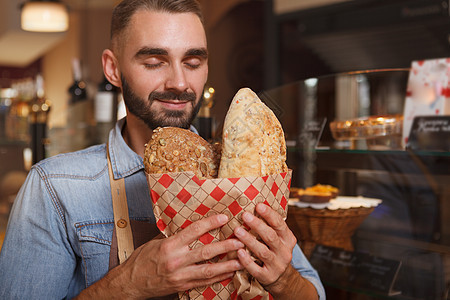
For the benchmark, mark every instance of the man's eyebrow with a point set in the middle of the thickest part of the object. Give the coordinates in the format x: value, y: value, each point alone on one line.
x: 146, y: 51
x: 201, y: 52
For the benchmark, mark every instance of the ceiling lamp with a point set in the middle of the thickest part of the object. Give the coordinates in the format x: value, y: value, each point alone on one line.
x: 44, y: 16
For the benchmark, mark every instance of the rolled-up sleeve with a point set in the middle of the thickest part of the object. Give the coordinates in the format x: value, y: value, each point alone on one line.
x: 304, y: 267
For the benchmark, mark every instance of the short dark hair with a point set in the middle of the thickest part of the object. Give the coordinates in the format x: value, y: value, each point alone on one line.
x: 125, y: 10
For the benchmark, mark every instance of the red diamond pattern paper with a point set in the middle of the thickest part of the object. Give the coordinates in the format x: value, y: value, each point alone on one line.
x: 217, y: 193
x: 154, y: 196
x: 235, y: 208
x: 202, y: 209
x: 170, y: 212
x: 184, y: 196
x: 181, y: 198
x: 206, y: 238
x: 186, y: 224
x: 283, y: 202
x: 198, y: 181
x: 161, y: 225
x: 274, y: 189
x: 166, y: 180
x: 233, y: 180
x: 209, y: 293
x: 251, y: 192
x: 225, y: 282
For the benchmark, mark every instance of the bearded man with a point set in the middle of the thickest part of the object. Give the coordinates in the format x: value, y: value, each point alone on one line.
x: 61, y: 239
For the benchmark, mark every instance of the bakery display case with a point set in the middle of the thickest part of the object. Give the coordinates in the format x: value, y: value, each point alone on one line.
x: 400, y: 248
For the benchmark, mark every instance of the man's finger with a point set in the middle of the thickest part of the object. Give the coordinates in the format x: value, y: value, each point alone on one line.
x: 199, y: 228
x: 205, y: 282
x: 269, y: 235
x: 277, y: 223
x: 210, y: 251
x: 205, y: 274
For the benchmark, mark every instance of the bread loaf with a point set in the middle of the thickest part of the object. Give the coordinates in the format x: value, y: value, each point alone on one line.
x: 173, y: 149
x: 253, y: 141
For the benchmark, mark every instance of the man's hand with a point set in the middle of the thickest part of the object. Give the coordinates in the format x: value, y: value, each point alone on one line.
x: 276, y: 274
x: 166, y: 266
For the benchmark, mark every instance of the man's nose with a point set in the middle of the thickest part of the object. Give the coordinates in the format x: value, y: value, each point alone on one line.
x: 177, y: 78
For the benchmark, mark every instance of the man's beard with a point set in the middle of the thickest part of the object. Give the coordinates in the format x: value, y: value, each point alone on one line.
x: 142, y: 108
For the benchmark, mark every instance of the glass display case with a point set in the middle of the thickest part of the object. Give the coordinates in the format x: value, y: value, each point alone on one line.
x: 399, y: 250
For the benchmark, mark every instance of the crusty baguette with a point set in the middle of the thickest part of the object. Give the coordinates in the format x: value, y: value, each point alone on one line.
x: 253, y: 141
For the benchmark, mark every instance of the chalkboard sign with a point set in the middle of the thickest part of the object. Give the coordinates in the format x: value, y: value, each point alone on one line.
x: 356, y: 270
x: 430, y: 133
x: 311, y: 132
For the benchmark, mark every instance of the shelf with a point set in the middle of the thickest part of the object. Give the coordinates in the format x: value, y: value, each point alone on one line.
x: 435, y: 163
x: 403, y: 242
x: 371, y: 152
x: 386, y: 152
x: 13, y: 143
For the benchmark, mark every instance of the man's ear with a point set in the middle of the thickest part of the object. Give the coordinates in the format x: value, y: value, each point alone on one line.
x: 111, y: 68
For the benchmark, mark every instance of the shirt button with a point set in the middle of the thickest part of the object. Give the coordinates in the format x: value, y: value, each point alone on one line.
x: 121, y: 223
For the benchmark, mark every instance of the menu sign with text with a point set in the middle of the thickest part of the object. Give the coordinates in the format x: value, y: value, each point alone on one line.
x: 356, y: 270
x: 311, y: 132
x: 430, y: 133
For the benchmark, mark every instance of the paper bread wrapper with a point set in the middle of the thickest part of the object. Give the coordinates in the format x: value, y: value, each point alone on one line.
x: 180, y: 199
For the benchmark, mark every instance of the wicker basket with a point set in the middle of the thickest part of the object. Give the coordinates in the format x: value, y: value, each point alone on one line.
x: 327, y: 227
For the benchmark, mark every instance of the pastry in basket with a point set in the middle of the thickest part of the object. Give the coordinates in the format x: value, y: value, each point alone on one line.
x: 253, y: 141
x: 173, y: 149
x: 294, y: 192
x: 318, y: 193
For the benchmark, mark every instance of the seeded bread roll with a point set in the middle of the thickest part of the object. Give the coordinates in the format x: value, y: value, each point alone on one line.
x: 173, y: 149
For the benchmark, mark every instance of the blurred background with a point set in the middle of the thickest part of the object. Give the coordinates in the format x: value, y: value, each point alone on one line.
x: 54, y: 99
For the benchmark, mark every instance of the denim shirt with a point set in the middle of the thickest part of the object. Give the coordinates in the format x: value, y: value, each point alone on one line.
x: 60, y: 228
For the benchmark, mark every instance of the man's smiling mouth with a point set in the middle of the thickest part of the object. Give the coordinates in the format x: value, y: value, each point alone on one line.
x: 173, y: 104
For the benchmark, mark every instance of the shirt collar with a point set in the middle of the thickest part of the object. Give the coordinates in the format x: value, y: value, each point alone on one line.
x: 124, y: 160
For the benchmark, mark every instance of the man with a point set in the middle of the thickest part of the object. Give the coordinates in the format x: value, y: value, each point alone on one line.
x: 60, y: 239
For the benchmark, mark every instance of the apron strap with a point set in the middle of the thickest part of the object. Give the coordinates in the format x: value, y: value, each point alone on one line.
x: 121, y: 218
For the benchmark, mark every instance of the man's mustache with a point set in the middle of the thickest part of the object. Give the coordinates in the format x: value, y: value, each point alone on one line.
x: 168, y: 95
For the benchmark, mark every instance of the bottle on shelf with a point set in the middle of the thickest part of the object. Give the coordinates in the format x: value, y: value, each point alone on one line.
x: 105, y: 108
x: 204, y: 122
x: 39, y: 109
x: 78, y: 90
x: 17, y: 128
x: 7, y: 105
x: 79, y: 111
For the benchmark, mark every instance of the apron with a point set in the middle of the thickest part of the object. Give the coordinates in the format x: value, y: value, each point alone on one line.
x: 127, y: 235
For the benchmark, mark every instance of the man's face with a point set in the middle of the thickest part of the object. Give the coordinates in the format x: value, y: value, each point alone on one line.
x: 164, y: 66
